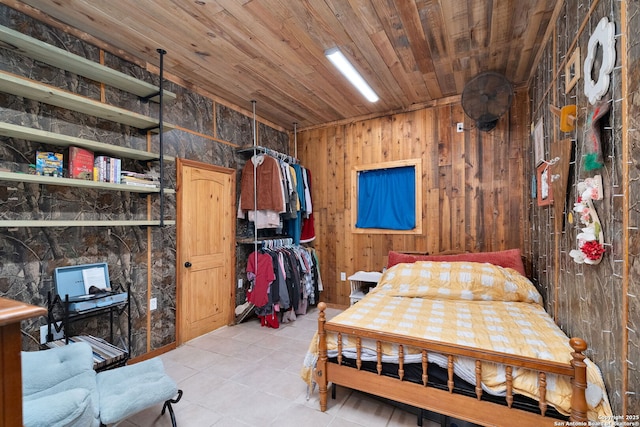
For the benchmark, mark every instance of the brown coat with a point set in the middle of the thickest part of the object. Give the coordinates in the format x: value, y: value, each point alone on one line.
x: 268, y: 182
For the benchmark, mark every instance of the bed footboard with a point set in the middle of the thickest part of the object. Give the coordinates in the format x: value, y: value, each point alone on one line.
x: 446, y: 402
x: 319, y: 373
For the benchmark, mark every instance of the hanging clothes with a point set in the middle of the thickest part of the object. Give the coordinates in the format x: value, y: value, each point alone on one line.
x: 260, y: 273
x: 294, y: 226
x: 293, y: 277
x: 269, y: 192
x: 279, y: 285
x: 306, y: 180
x: 284, y: 276
x: 308, y: 232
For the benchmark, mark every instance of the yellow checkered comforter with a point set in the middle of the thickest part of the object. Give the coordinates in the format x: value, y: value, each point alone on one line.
x: 471, y: 304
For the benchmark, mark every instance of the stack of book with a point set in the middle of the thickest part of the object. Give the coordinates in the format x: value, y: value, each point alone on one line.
x: 107, y: 169
x: 84, y: 164
x: 139, y: 179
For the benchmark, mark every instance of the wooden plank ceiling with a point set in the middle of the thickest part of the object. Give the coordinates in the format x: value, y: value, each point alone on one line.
x: 412, y: 52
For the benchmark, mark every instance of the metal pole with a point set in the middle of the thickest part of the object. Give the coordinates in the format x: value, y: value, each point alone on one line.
x: 295, y: 140
x: 162, y: 52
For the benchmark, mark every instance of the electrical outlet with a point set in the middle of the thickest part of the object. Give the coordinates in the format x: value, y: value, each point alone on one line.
x: 153, y: 303
x: 343, y: 276
x: 240, y: 283
x: 460, y: 127
x: 56, y: 335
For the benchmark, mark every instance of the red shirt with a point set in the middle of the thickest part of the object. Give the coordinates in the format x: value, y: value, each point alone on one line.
x: 264, y: 275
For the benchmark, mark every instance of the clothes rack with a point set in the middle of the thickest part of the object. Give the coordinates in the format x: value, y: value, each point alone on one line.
x: 277, y: 243
x: 273, y: 153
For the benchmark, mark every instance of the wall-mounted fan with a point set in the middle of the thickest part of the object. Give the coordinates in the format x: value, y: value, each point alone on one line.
x: 485, y: 98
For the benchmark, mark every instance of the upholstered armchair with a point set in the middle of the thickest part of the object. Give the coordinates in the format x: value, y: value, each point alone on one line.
x: 61, y: 389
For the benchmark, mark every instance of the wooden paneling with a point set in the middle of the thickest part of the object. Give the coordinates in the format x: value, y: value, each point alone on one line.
x: 272, y: 51
x: 471, y: 185
x: 631, y: 157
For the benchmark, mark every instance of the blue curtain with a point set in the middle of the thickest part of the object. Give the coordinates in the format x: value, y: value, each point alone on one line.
x: 387, y: 198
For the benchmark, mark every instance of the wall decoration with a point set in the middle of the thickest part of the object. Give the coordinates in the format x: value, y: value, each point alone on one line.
x: 560, y: 169
x: 567, y: 116
x: 572, y: 70
x: 592, y: 144
x: 538, y: 142
x: 543, y: 185
x: 604, y: 36
x: 591, y: 238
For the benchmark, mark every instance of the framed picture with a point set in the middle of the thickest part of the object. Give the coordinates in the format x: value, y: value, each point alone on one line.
x: 543, y: 185
x: 572, y: 71
x: 538, y: 142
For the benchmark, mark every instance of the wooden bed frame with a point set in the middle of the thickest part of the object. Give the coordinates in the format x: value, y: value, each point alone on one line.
x: 442, y: 401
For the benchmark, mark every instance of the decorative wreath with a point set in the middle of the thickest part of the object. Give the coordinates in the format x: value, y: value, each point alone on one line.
x: 603, y: 35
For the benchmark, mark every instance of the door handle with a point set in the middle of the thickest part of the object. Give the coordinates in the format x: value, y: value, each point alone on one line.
x: 187, y: 264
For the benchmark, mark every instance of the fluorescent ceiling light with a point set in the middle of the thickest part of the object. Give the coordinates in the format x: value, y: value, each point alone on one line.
x: 344, y: 66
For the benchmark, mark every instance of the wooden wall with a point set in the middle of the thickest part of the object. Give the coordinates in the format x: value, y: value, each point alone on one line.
x: 471, y: 185
x: 631, y: 174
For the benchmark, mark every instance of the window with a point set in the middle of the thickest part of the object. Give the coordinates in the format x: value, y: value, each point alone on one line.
x: 386, y: 198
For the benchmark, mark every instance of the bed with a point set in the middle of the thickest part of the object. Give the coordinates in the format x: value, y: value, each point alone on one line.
x: 461, y: 337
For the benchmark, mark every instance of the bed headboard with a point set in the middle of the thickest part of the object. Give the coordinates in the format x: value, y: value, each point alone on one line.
x: 509, y: 258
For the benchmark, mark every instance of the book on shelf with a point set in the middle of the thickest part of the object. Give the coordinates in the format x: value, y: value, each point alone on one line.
x: 49, y: 163
x: 141, y: 184
x: 107, y: 169
x: 80, y: 163
x: 137, y: 178
x: 132, y: 174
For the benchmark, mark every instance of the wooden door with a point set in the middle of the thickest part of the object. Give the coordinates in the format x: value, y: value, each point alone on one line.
x: 205, y: 296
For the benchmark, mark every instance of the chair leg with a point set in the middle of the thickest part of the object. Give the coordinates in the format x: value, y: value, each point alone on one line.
x: 167, y: 405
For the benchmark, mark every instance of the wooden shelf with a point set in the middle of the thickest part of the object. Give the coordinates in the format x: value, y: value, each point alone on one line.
x: 19, y: 86
x: 34, y: 90
x: 45, y: 137
x: 81, y: 223
x: 69, y: 182
x: 62, y: 59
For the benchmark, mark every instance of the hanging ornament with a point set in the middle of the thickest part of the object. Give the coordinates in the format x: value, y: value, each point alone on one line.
x: 591, y: 238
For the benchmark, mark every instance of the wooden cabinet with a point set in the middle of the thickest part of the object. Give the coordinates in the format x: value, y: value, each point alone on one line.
x: 11, y: 314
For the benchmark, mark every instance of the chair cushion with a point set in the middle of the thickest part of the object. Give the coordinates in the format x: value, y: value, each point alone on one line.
x: 56, y: 372
x: 43, y: 370
x: 130, y: 389
x: 71, y: 407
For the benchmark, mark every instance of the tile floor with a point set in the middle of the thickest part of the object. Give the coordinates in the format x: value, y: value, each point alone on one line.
x: 248, y: 375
